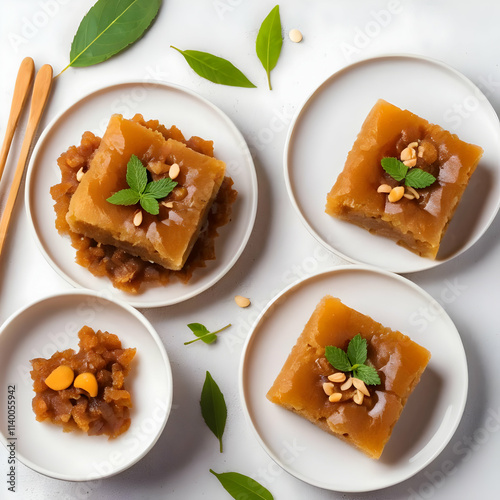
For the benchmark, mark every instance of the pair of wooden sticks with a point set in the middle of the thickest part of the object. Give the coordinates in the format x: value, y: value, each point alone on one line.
x: 41, y: 91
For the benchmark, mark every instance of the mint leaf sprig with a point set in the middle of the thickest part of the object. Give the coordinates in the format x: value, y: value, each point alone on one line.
x: 203, y: 334
x: 414, y: 177
x: 353, y: 360
x: 140, y: 190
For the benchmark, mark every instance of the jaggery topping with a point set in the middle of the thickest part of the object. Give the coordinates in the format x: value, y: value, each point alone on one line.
x: 97, y: 402
x: 127, y: 272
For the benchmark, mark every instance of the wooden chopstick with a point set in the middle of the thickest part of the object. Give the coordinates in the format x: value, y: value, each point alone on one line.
x: 23, y: 83
x: 41, y: 91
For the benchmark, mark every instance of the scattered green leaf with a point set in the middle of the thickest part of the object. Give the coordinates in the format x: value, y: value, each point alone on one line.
x: 140, y: 190
x: 203, y: 334
x: 418, y: 179
x: 354, y: 360
x: 269, y: 42
x: 213, y: 407
x: 241, y: 486
x: 413, y: 177
x: 108, y: 28
x: 215, y: 69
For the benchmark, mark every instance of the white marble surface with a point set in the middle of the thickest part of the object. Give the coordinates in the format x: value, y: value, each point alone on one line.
x: 462, y: 34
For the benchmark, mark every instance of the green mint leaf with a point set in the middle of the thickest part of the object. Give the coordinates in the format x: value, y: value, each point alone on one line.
x: 269, y: 42
x: 160, y: 189
x: 418, y: 178
x: 149, y: 204
x: 395, y: 168
x: 109, y: 27
x: 367, y: 374
x: 124, y: 197
x: 357, y: 350
x: 240, y: 486
x: 337, y: 358
x: 137, y: 174
x: 215, y: 69
x: 213, y: 407
x: 203, y: 334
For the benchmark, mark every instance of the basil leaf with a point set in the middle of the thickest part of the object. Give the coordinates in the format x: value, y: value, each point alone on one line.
x: 149, y: 204
x: 213, y: 407
x: 368, y: 374
x: 418, y: 178
x: 395, y: 168
x: 137, y: 174
x: 241, y: 486
x: 202, y: 333
x: 215, y: 69
x: 160, y: 189
x: 357, y: 350
x: 337, y: 358
x: 108, y: 27
x: 124, y: 197
x: 269, y: 42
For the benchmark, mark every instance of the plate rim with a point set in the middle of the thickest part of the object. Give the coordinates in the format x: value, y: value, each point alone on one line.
x: 166, y: 361
x: 302, y: 282
x: 286, y: 170
x: 167, y: 85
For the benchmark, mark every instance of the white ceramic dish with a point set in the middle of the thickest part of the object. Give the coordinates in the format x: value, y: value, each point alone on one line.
x: 429, y: 419
x: 170, y: 104
x: 325, y: 128
x: 50, y: 325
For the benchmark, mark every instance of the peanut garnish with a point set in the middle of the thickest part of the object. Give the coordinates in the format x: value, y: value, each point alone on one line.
x: 138, y: 218
x: 295, y: 35
x: 358, y: 397
x: 413, y: 191
x: 80, y: 174
x: 346, y: 385
x: 242, y: 301
x: 328, y: 388
x: 337, y: 377
x: 168, y: 204
x: 396, y: 194
x: 384, y: 188
x: 360, y: 386
x: 174, y: 171
x: 409, y: 196
x: 408, y: 154
x: 410, y: 163
x: 335, y: 397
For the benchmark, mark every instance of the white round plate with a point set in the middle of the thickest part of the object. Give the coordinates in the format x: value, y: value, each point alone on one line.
x: 170, y: 104
x: 429, y: 419
x: 325, y: 128
x: 51, y: 325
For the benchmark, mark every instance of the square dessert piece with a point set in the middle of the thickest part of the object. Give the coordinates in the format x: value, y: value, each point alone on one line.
x: 366, y: 423
x: 419, y: 218
x: 166, y: 238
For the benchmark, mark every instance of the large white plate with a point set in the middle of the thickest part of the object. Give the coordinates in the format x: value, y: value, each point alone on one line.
x: 50, y: 325
x: 170, y: 104
x: 429, y: 419
x: 326, y: 127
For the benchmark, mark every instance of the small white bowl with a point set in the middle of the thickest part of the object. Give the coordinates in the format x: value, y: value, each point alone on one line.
x: 52, y: 324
